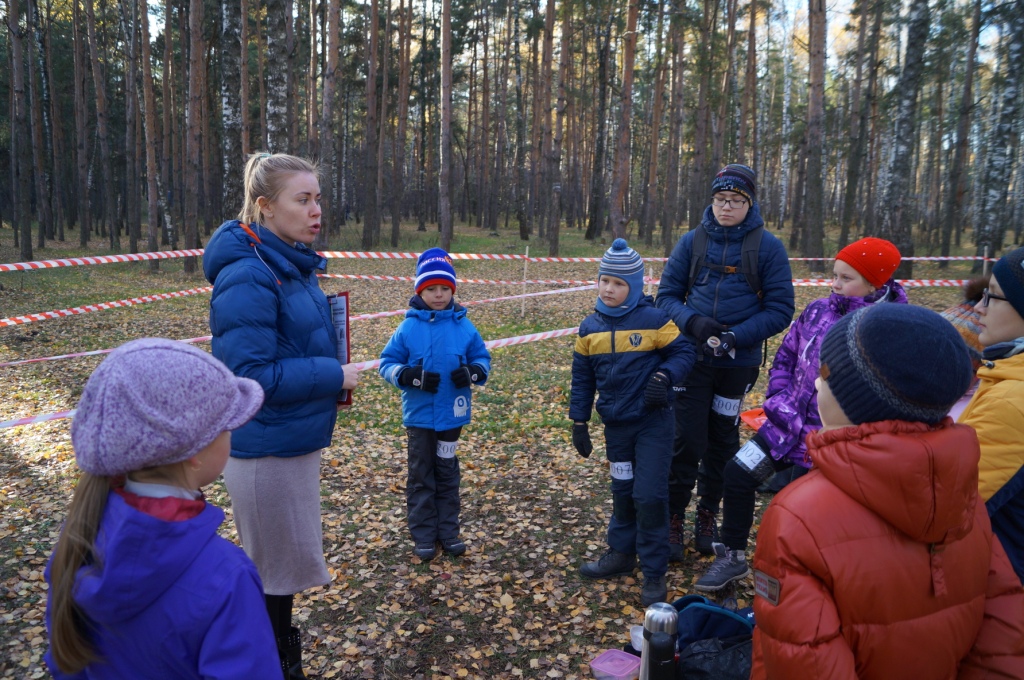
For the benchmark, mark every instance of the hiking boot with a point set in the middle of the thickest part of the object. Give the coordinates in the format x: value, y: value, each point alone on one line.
x: 453, y: 546
x: 654, y: 590
x: 705, y: 531
x: 675, y: 539
x: 425, y: 551
x: 729, y: 566
x: 612, y: 563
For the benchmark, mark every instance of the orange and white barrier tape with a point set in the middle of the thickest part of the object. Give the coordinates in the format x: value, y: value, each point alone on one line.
x: 360, y: 366
x: 375, y: 277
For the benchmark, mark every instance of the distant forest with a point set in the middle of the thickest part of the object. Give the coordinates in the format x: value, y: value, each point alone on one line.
x: 131, y: 120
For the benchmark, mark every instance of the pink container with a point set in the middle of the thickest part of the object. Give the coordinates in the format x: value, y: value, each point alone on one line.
x: 614, y: 664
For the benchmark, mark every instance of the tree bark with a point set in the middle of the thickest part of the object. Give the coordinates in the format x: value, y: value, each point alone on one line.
x: 398, y: 165
x: 895, y: 224
x: 21, y: 133
x: 331, y: 207
x: 650, y: 205
x: 444, y: 188
x: 276, y: 78
x: 814, y: 222
x: 371, y: 219
x: 232, y: 51
x: 617, y: 216
x: 193, y: 127
x: 699, y: 170
x: 102, y: 129
x: 748, y: 123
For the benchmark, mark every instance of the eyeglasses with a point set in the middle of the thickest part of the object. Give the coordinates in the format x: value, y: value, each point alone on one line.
x: 731, y: 202
x: 986, y: 296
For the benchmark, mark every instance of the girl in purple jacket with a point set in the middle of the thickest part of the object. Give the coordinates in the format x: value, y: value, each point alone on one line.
x: 862, y: 276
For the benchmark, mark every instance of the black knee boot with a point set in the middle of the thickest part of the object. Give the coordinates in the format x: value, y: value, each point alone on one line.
x: 289, y: 640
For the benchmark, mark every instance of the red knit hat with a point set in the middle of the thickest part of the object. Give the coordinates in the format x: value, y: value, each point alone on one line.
x: 874, y: 258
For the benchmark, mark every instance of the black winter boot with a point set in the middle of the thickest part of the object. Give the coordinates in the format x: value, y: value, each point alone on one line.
x: 290, y: 648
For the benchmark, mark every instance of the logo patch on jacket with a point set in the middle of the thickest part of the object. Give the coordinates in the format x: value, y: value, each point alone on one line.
x: 461, y: 406
x: 635, y: 339
x: 767, y: 587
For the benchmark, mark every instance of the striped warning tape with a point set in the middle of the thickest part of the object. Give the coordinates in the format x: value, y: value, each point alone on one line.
x: 361, y: 366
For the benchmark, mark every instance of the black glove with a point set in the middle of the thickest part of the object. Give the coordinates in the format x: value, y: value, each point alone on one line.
x: 656, y: 392
x: 728, y: 342
x: 464, y: 375
x: 703, y: 327
x: 415, y: 376
x: 581, y: 439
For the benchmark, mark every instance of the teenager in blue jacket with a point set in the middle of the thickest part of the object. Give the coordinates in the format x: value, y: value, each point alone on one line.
x: 728, y: 321
x: 631, y: 353
x: 140, y: 583
x: 435, y: 356
x: 272, y: 323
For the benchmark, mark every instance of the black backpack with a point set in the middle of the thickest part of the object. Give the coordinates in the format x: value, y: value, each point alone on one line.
x: 748, y: 259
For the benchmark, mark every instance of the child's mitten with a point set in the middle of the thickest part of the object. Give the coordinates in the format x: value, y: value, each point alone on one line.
x: 581, y: 439
x: 464, y: 375
x: 656, y: 392
x: 418, y: 377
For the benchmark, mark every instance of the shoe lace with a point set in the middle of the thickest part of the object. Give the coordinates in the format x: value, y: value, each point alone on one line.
x: 675, y: 530
x: 725, y: 563
x: 705, y: 523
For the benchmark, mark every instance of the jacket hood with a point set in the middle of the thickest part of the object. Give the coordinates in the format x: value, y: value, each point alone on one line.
x: 891, y: 292
x: 921, y: 479
x: 232, y: 242
x: 141, y: 557
x: 716, y: 231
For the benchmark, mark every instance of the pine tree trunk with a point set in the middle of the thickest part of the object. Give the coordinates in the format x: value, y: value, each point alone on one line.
x: 728, y: 87
x: 555, y: 164
x: 595, y: 215
x: 699, y: 170
x: 371, y: 220
x: 193, y: 127
x: 398, y: 164
x: 670, y: 213
x: 154, y: 193
x: 21, y: 133
x: 444, y: 188
x: 814, y: 215
x: 231, y: 104
x: 617, y: 216
x: 276, y: 77
x: 522, y: 176
x: 650, y: 207
x: 749, y: 105
x: 83, y: 209
x: 130, y: 27
x: 331, y: 207
x: 58, y: 156
x: 40, y: 157
x: 102, y: 130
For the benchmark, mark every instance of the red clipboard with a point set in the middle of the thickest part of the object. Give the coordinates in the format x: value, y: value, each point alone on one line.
x: 339, y: 317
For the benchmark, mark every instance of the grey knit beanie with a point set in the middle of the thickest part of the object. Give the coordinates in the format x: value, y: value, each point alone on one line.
x: 895, y: 362
x: 155, y: 402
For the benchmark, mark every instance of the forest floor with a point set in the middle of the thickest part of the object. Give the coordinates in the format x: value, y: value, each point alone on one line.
x: 514, y: 606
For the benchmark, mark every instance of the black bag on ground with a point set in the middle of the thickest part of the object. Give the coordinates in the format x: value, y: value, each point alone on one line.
x: 714, y: 641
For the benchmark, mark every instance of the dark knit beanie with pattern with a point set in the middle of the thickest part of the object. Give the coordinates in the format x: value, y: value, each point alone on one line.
x: 895, y: 362
x: 1009, y: 272
x: 624, y: 263
x: 738, y: 178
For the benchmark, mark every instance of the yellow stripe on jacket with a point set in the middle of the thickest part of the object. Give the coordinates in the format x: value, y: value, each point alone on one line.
x: 626, y: 340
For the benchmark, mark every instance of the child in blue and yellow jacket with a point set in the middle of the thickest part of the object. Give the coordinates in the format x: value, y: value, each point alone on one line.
x: 631, y: 353
x: 435, y: 356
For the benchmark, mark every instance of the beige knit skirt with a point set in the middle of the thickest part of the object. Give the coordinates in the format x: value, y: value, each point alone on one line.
x: 276, y: 504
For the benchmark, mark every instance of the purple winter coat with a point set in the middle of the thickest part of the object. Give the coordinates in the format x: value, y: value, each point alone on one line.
x: 791, y: 400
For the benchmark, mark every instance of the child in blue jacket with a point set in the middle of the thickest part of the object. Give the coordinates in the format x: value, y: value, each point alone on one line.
x: 141, y: 584
x: 631, y: 353
x: 435, y: 356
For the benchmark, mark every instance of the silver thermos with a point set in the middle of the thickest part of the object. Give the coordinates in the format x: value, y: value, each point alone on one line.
x: 658, y: 656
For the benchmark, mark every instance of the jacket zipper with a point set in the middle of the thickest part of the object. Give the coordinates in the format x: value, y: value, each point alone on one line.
x: 721, y: 276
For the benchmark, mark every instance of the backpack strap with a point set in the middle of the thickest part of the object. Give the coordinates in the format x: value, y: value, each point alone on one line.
x: 749, y: 252
x: 698, y: 256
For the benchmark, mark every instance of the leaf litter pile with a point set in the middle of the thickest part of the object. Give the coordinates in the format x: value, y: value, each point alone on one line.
x: 514, y: 606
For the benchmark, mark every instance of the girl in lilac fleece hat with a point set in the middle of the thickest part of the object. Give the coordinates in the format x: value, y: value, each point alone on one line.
x: 862, y: 276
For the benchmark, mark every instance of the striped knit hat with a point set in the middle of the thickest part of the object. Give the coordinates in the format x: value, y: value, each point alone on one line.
x: 624, y: 263
x: 434, y: 268
x: 895, y: 362
x: 738, y: 178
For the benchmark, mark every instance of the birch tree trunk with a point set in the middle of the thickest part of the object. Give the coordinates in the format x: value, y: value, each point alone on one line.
x: 999, y: 163
x: 953, y: 209
x: 895, y: 225
x: 276, y: 77
x: 41, y: 141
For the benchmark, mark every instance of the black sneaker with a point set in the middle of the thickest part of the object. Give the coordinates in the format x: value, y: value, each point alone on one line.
x: 705, y: 532
x: 654, y: 590
x: 425, y: 551
x: 453, y: 546
x: 675, y: 539
x: 612, y: 563
x: 729, y: 566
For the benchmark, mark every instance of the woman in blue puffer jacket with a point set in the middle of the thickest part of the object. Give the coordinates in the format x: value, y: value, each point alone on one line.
x: 272, y: 323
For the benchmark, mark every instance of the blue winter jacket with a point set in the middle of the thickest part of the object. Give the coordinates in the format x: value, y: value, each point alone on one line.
x: 440, y: 341
x: 616, y: 356
x: 271, y: 323
x: 727, y: 298
x: 172, y: 600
